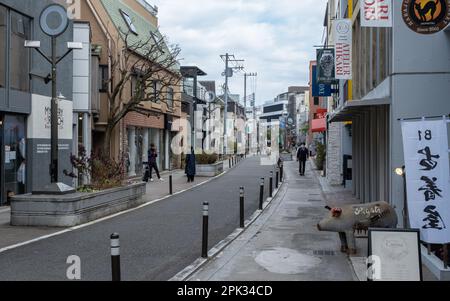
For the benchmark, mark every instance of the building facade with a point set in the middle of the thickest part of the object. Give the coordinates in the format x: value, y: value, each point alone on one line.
x: 394, y: 80
x: 25, y: 100
x: 155, y: 124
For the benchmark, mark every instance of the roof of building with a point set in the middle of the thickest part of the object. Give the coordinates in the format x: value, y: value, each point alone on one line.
x: 144, y: 30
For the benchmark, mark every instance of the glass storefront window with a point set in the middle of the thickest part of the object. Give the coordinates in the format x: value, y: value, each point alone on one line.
x: 20, y: 57
x: 2, y: 46
x: 14, y: 144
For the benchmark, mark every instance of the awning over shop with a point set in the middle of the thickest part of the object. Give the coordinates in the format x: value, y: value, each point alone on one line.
x: 319, y: 125
x: 352, y: 109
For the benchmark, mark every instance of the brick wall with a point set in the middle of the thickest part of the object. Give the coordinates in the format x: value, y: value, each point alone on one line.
x: 139, y: 120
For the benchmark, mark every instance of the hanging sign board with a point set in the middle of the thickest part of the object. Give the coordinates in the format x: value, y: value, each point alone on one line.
x: 376, y: 13
x: 325, y: 66
x: 426, y: 16
x: 426, y: 146
x: 343, y: 47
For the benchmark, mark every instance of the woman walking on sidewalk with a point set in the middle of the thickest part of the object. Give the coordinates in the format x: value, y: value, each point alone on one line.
x: 152, y: 164
x: 190, y: 166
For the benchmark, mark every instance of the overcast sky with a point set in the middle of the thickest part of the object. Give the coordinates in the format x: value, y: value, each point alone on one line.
x: 275, y: 37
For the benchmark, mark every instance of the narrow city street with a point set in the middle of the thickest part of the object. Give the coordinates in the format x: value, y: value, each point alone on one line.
x: 156, y: 241
x: 284, y: 243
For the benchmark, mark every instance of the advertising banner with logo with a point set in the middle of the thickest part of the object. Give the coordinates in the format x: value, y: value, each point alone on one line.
x: 343, y: 46
x: 325, y: 66
x: 318, y: 89
x: 428, y: 180
x: 426, y: 16
x: 376, y: 13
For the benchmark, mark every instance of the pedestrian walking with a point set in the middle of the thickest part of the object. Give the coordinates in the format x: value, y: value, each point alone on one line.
x: 152, y: 164
x: 190, y: 166
x: 302, y: 157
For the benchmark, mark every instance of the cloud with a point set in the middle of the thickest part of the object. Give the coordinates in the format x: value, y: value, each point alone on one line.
x: 275, y: 37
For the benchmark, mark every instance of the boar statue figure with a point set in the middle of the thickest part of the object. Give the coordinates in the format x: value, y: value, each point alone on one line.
x: 348, y: 219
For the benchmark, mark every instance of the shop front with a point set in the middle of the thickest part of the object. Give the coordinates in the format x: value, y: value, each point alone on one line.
x: 142, y: 133
x: 13, y: 156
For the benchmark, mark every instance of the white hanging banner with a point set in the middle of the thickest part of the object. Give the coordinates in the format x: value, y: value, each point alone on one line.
x: 428, y: 181
x: 342, y: 30
x: 376, y: 13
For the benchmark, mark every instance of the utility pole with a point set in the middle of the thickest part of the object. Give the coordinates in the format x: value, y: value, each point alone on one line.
x: 228, y: 58
x: 247, y: 148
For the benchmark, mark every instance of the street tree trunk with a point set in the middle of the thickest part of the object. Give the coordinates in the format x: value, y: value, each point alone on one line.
x: 107, y: 142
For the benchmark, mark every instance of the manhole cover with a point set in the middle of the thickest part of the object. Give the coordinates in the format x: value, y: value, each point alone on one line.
x: 324, y: 253
x: 286, y: 261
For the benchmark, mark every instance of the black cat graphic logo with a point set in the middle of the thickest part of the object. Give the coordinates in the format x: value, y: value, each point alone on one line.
x: 430, y: 6
x: 426, y: 16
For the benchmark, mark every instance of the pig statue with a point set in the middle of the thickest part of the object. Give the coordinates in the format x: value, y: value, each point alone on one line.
x: 351, y: 218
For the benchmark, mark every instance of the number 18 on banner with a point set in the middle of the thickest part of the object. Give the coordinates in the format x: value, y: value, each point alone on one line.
x: 427, y: 175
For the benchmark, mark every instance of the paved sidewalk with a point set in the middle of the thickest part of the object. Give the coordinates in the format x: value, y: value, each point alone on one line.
x: 284, y: 243
x: 10, y: 235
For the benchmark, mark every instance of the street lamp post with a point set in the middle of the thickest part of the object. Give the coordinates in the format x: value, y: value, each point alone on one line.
x: 48, y: 27
x: 402, y: 173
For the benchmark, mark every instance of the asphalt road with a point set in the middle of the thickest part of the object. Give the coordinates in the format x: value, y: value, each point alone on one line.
x: 157, y: 241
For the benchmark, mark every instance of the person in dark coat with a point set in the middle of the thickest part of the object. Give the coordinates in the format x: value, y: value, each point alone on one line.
x: 152, y: 163
x: 302, y: 157
x: 190, y: 166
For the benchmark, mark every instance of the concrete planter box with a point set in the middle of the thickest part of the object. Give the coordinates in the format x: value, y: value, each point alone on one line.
x: 73, y: 209
x: 209, y: 170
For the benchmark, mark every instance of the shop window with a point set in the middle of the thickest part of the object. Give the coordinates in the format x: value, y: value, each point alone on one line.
x: 2, y: 47
x: 20, y: 57
x: 15, y: 154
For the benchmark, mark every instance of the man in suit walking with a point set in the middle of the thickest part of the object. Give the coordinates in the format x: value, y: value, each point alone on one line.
x: 302, y: 157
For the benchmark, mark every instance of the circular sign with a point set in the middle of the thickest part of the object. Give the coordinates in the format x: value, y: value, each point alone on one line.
x: 54, y: 20
x: 426, y: 16
x: 343, y: 27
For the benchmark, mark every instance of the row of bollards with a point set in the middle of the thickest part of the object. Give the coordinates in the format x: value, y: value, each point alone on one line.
x: 115, y: 242
x: 233, y: 160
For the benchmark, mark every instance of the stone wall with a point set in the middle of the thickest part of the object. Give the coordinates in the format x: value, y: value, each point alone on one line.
x: 334, y: 160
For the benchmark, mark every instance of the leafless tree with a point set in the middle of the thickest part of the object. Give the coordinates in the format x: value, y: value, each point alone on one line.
x: 142, y: 71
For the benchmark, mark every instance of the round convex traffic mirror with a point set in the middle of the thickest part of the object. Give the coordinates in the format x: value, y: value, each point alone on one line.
x: 54, y: 20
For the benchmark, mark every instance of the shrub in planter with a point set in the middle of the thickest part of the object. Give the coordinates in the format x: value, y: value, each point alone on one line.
x: 205, y: 159
x: 320, y: 157
x: 103, y: 172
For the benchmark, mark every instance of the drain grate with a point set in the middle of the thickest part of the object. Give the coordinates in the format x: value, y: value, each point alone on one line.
x: 324, y: 253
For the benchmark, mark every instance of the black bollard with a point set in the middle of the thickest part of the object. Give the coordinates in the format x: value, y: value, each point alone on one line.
x: 261, y: 194
x: 115, y: 257
x: 271, y: 185
x: 241, y: 207
x: 281, y: 173
x: 276, y: 179
x: 229, y: 162
x: 171, y: 184
x: 205, y: 230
